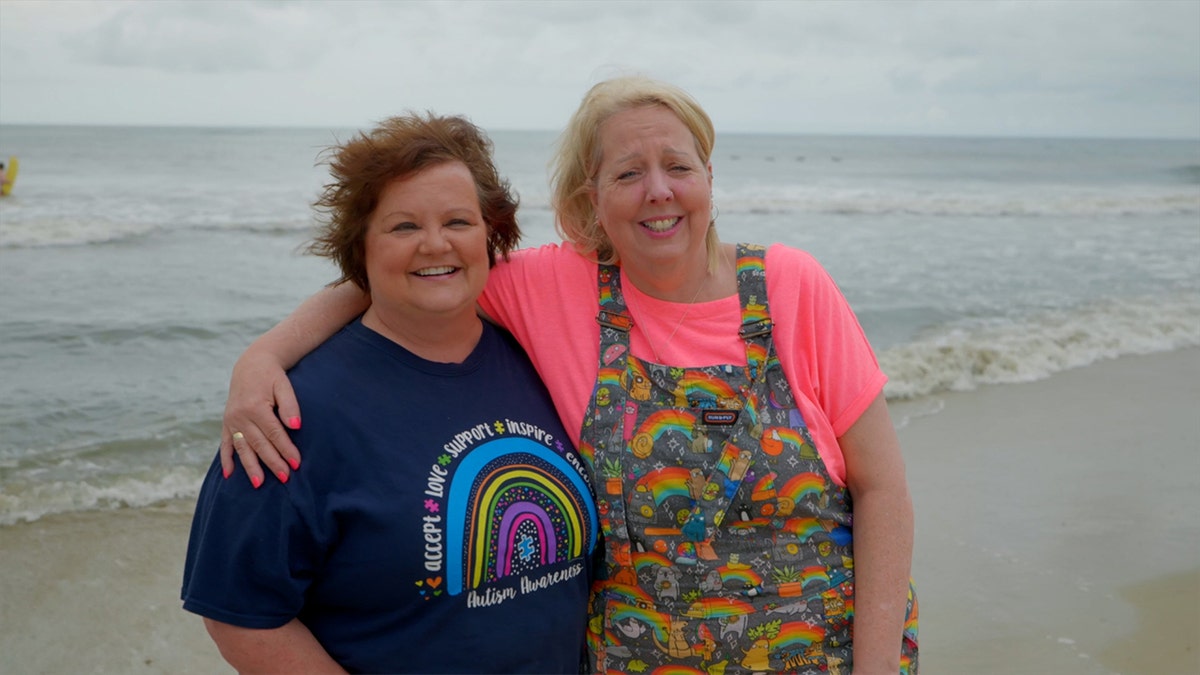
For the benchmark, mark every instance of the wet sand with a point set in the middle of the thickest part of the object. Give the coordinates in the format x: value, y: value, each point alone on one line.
x: 1058, y: 522
x: 98, y: 592
x: 1058, y: 531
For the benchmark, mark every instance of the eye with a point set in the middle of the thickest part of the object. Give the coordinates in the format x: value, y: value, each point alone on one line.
x: 406, y: 226
x: 459, y: 223
x: 626, y: 175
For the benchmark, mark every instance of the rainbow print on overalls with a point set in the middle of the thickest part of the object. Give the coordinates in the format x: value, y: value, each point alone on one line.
x: 728, y: 546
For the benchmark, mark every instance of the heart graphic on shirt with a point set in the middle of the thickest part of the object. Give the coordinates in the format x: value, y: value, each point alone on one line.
x: 420, y: 583
x: 434, y: 582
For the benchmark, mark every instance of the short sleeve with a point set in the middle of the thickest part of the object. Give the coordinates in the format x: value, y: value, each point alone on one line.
x: 824, y: 351
x: 250, y: 557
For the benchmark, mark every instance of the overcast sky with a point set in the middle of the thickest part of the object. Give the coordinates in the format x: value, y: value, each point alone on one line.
x: 965, y: 67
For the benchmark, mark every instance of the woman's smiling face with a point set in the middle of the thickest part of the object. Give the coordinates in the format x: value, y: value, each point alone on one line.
x: 652, y: 192
x: 426, y: 245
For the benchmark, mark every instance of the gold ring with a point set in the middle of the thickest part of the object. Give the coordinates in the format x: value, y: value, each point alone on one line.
x: 237, y: 436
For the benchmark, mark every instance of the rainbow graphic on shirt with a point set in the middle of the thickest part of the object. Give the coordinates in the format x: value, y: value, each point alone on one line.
x: 764, y: 488
x: 747, y: 576
x: 803, y: 528
x: 667, y: 482
x: 795, y: 634
x: 637, y: 369
x: 704, y: 391
x: 802, y: 485
x: 619, y: 613
x: 644, y: 559
x: 751, y: 264
x: 756, y: 355
x: 606, y: 296
x: 609, y: 377
x: 663, y: 421
x: 513, y: 505
x: 718, y: 608
x: 791, y: 438
x: 624, y: 594
x: 816, y: 574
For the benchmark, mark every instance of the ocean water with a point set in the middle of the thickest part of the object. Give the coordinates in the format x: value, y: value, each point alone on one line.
x: 137, y: 263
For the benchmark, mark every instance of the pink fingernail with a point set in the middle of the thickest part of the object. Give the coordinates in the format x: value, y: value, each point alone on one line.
x: 294, y: 463
x: 283, y: 476
x: 294, y: 423
x: 256, y: 481
x: 226, y: 472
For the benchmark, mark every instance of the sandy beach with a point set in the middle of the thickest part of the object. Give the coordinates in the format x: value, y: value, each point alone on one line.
x: 1057, y: 532
x: 1057, y: 522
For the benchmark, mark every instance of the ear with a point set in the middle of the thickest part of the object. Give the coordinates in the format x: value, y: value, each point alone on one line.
x: 709, y: 167
x: 593, y: 196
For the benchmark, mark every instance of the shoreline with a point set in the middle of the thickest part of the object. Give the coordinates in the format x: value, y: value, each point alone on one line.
x: 1056, y: 532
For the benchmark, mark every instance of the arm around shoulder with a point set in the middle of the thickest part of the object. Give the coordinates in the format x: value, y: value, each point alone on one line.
x: 260, y: 394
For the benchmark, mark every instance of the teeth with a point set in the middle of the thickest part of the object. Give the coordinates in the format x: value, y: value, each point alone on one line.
x: 434, y: 271
x: 661, y: 225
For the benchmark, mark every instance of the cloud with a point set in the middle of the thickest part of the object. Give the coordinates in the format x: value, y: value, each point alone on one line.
x: 202, y: 37
x: 1027, y: 68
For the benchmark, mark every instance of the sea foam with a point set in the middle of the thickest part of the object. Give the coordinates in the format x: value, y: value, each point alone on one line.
x: 964, y: 355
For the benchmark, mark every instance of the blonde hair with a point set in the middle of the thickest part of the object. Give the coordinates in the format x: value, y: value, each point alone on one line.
x: 578, y: 154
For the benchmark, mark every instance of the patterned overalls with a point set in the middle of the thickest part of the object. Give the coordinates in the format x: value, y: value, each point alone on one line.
x: 728, y: 545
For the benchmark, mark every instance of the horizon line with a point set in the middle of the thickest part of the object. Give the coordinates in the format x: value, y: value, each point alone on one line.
x: 869, y: 134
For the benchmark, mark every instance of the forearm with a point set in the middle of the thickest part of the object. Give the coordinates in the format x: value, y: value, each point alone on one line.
x: 291, y: 648
x: 883, y: 543
x: 883, y: 538
x: 313, y: 322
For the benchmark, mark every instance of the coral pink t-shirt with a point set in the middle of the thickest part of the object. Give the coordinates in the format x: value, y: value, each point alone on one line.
x: 547, y: 298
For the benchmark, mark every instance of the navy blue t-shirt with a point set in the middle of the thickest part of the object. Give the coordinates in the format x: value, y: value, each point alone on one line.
x: 441, y: 520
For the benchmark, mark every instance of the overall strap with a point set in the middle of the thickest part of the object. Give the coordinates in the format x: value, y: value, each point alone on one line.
x: 604, y: 424
x: 613, y: 314
x: 756, y: 317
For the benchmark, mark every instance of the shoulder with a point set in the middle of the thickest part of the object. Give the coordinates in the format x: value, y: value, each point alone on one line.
x: 341, y: 361
x: 794, y: 271
x: 546, y: 259
x: 502, y: 343
x: 788, y: 257
x: 538, y: 281
x: 800, y: 287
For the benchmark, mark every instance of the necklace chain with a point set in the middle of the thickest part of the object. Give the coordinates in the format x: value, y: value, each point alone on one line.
x: 658, y: 357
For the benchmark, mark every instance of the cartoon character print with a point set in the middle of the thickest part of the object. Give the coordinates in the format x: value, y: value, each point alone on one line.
x: 666, y: 582
x: 698, y: 496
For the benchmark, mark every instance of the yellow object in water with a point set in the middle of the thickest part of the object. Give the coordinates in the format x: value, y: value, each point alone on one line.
x: 10, y: 176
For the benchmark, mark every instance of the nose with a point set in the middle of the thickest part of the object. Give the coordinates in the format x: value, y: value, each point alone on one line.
x: 658, y: 187
x: 435, y: 240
